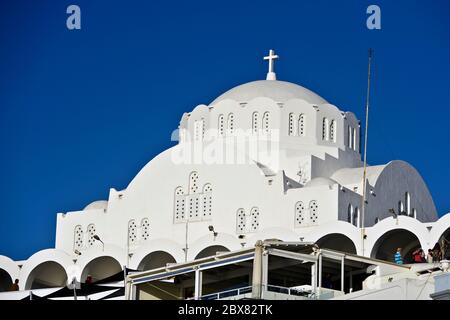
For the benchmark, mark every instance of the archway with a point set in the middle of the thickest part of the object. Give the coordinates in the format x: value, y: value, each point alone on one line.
x: 48, y: 274
x: 210, y: 251
x: 386, y: 246
x: 446, y: 237
x: 5, y: 280
x: 338, y: 242
x: 155, y: 260
x: 101, y: 268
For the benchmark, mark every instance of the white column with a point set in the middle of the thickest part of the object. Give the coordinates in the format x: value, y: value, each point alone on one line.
x: 320, y: 272
x: 198, y: 284
x: 342, y: 273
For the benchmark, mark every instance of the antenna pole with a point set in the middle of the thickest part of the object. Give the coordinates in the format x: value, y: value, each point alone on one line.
x: 363, y: 205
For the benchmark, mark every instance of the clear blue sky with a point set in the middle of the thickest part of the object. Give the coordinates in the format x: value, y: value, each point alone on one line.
x: 83, y: 111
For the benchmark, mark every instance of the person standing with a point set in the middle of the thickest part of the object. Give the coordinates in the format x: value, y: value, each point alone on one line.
x: 430, y: 256
x: 398, y: 256
x: 14, y: 286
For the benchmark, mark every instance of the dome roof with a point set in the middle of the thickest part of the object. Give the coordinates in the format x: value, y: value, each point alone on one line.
x: 320, y: 181
x: 280, y: 91
x: 99, y: 204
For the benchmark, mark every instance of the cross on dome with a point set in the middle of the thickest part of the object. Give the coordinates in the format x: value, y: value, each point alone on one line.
x: 271, y: 57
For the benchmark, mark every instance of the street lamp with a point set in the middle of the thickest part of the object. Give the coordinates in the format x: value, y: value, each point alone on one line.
x: 96, y: 237
x: 211, y: 228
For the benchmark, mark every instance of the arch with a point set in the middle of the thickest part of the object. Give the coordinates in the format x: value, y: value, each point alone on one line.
x: 49, y: 274
x: 155, y: 259
x: 440, y: 227
x: 5, y: 280
x: 385, y: 247
x: 100, y: 268
x: 337, y: 241
x: 169, y: 246
x: 211, y: 251
x: 229, y: 241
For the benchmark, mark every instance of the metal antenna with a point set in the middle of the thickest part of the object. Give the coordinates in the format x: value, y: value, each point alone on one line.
x: 363, y: 205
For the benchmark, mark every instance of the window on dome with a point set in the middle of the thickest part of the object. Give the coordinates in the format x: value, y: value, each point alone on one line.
x: 299, y: 214
x: 221, y: 125
x: 254, y: 219
x: 408, y: 203
x: 230, y: 123
x: 78, y: 238
x: 333, y: 131
x: 132, y: 232
x: 91, y: 233
x: 350, y: 214
x: 266, y: 122
x: 240, y: 221
x: 301, y: 125
x: 356, y: 217
x: 145, y: 229
x: 313, y: 212
x: 199, y: 129
x: 255, y: 116
x: 291, y: 124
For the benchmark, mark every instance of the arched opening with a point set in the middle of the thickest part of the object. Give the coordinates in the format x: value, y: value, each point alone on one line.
x: 155, y: 260
x: 338, y: 242
x: 387, y: 244
x: 210, y: 251
x: 48, y: 274
x: 5, y: 280
x: 101, y: 268
x: 444, y: 242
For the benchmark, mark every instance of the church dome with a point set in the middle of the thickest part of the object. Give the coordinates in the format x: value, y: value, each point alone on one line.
x: 280, y: 91
x: 320, y: 181
x: 99, y: 204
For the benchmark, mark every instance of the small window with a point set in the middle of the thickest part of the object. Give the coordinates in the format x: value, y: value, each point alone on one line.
x: 333, y: 131
x: 240, y: 221
x: 301, y: 125
x: 231, y: 123
x: 255, y: 117
x: 221, y: 125
x: 291, y: 124
x: 266, y: 122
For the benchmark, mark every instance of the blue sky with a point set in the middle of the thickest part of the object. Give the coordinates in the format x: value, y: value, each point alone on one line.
x: 82, y: 111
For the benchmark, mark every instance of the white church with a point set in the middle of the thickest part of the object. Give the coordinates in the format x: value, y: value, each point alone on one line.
x: 267, y: 160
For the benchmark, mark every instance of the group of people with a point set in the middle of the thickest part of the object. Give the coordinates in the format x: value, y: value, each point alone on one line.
x: 418, y: 256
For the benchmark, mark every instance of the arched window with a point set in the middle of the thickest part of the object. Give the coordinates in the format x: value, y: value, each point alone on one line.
x: 254, y: 217
x: 240, y: 221
x: 207, y: 201
x: 350, y: 214
x: 313, y: 212
x: 231, y: 123
x: 78, y: 238
x: 333, y: 131
x: 350, y: 137
x: 401, y: 208
x: 90, y: 234
x: 299, y: 214
x: 221, y: 125
x: 354, y: 139
x: 301, y: 125
x: 408, y: 203
x: 199, y: 129
x: 324, y: 128
x: 255, y: 117
x: 356, y: 217
x: 266, y: 122
x: 291, y: 124
x: 414, y: 213
x: 132, y: 232
x: 145, y: 229
x: 179, y: 205
x: 193, y: 180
